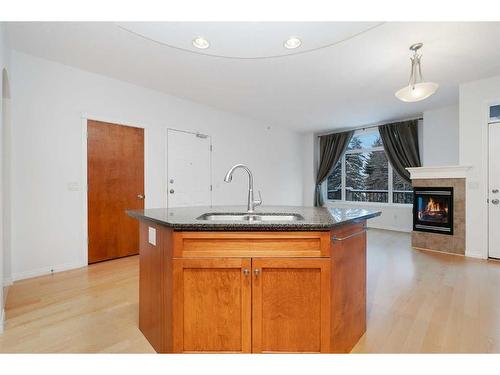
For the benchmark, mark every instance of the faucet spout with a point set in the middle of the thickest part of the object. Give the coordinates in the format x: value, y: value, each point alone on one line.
x: 251, y: 203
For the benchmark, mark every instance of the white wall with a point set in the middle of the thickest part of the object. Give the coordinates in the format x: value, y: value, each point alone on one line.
x: 475, y: 99
x: 5, y: 143
x: 440, y: 137
x: 309, y: 153
x: 4, y: 58
x: 48, y: 100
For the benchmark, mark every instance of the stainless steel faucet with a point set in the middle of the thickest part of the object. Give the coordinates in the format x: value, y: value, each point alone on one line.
x: 252, y: 203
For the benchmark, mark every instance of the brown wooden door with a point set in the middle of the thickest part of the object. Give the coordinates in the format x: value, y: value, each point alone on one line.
x: 115, y: 176
x: 212, y: 305
x: 290, y: 305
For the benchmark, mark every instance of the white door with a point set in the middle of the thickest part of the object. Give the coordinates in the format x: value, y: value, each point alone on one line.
x: 494, y: 190
x: 188, y: 169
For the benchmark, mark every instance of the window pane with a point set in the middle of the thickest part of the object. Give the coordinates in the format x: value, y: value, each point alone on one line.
x: 365, y: 140
x: 399, y: 184
x: 377, y: 170
x: 367, y: 177
x: 402, y: 197
x: 334, y: 183
x: 495, y: 113
x: 402, y: 190
x: 355, y: 171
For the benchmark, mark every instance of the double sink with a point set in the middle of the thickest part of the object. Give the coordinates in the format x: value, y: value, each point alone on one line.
x: 250, y: 217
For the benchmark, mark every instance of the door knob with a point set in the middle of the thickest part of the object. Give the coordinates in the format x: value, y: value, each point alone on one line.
x: 171, y: 191
x: 140, y: 196
x: 495, y: 201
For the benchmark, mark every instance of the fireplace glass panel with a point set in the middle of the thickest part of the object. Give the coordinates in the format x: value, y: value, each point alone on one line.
x: 433, y: 210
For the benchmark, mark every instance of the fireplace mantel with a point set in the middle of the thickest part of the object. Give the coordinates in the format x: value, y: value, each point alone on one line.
x: 449, y: 171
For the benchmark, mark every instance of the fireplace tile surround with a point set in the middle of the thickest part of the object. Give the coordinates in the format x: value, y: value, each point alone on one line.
x: 452, y: 177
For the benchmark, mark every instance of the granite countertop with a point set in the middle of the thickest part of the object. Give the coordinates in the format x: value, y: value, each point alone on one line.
x: 315, y: 218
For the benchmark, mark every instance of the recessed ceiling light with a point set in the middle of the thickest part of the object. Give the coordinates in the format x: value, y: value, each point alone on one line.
x: 292, y: 43
x: 201, y: 43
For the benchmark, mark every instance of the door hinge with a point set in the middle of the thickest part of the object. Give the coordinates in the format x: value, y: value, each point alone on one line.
x: 210, y: 187
x: 211, y: 148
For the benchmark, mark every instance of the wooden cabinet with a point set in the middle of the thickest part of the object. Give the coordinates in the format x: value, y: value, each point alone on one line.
x: 251, y: 305
x: 259, y: 292
x: 212, y: 305
x: 290, y: 305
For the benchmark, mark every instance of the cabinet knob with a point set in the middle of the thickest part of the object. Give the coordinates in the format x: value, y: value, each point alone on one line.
x: 256, y: 272
x: 246, y: 272
x: 140, y: 196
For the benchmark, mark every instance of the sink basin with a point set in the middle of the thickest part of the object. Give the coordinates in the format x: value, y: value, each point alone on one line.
x: 245, y: 217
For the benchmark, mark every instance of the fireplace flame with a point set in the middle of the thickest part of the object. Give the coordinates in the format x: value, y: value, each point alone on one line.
x: 433, y: 206
x: 433, y: 209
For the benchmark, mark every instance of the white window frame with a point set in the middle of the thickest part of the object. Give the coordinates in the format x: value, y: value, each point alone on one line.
x: 390, y: 191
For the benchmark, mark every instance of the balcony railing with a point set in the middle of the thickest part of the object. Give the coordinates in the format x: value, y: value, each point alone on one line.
x: 381, y: 196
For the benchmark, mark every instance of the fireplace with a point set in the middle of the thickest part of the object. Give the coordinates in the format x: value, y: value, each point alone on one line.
x: 433, y: 209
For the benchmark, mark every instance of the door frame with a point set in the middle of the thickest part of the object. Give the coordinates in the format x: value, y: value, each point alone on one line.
x: 489, y: 123
x: 85, y: 117
x: 165, y: 184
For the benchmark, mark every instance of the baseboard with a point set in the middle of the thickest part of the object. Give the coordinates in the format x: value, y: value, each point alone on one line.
x: 437, y: 251
x: 475, y: 255
x: 394, y: 229
x: 8, y: 281
x: 46, y: 271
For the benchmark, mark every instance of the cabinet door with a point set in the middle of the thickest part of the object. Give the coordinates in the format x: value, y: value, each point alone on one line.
x: 290, y: 305
x: 212, y: 305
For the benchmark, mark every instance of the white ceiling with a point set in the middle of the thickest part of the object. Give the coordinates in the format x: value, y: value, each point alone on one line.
x: 248, y: 40
x: 349, y: 82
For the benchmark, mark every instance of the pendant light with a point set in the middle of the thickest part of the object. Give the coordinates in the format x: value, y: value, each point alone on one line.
x: 417, y: 88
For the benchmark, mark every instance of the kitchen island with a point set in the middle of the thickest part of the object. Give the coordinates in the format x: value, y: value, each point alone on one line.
x: 283, y: 279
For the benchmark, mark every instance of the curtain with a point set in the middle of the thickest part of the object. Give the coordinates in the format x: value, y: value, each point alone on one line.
x: 400, y: 141
x: 331, y: 149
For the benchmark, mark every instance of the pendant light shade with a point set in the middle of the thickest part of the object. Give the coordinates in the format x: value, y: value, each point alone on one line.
x: 417, y: 89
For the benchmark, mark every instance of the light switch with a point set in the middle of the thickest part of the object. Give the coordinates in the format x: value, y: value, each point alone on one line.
x: 152, y: 236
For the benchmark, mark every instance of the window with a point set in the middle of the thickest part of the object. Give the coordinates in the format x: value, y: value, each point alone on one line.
x: 495, y: 113
x: 365, y: 175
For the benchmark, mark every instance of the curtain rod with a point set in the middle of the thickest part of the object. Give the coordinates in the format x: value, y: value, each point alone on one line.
x: 370, y: 126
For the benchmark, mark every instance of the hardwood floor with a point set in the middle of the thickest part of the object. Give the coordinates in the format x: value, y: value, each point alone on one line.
x: 417, y: 302
x: 89, y: 310
x: 427, y: 302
